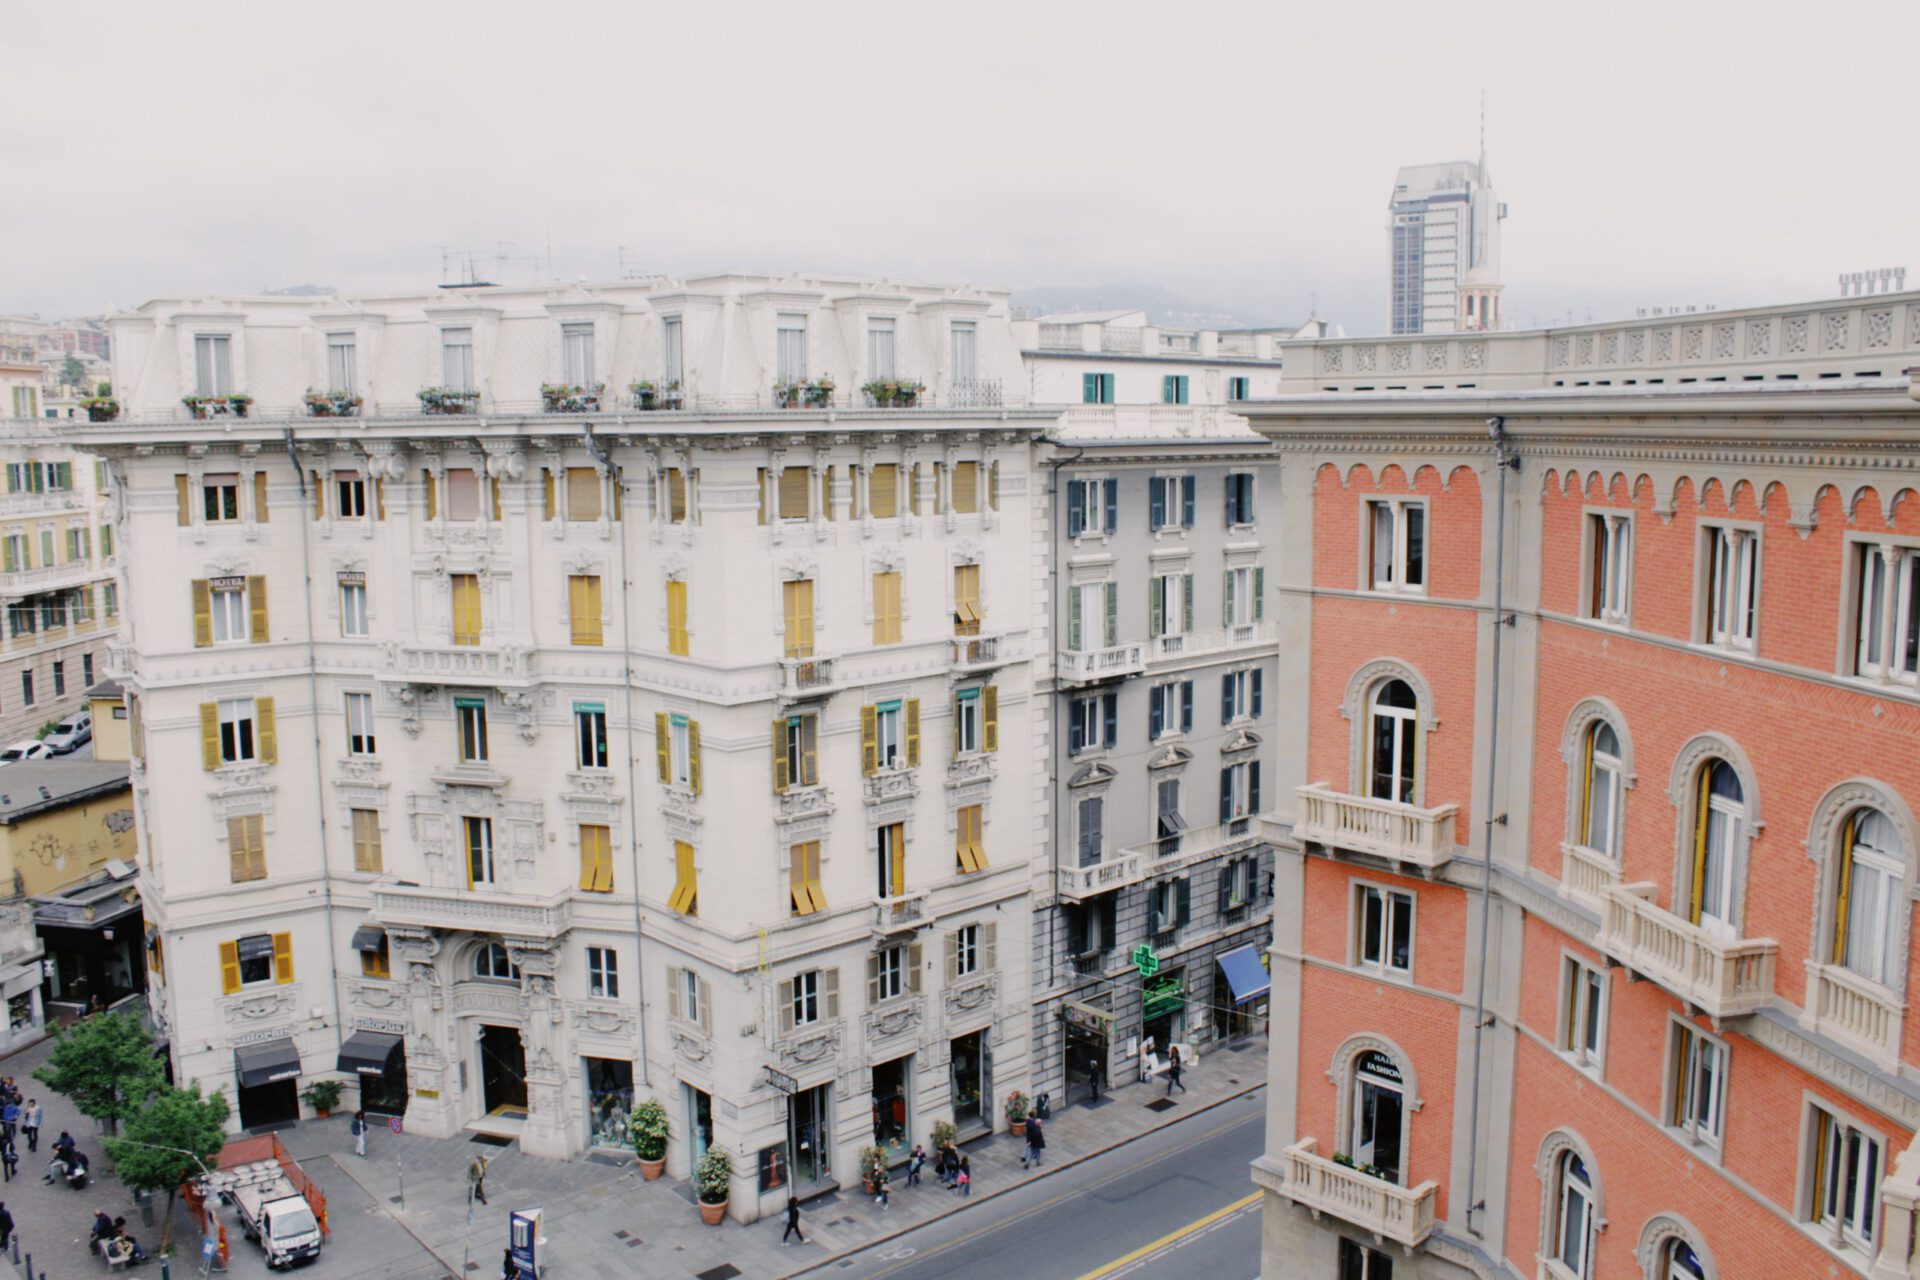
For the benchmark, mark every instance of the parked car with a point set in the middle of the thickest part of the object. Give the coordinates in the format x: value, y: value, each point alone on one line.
x: 26, y: 749
x: 70, y: 734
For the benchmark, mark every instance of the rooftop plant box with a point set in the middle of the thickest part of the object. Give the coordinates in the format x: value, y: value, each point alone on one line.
x: 332, y: 404
x: 217, y: 406
x: 101, y: 408
x: 566, y: 399
x: 448, y: 400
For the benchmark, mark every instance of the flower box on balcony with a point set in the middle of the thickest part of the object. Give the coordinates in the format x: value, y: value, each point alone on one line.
x: 648, y: 395
x: 101, y: 408
x: 817, y: 394
x: 217, y: 406
x: 566, y: 399
x: 332, y: 404
x: 448, y: 400
x: 892, y: 393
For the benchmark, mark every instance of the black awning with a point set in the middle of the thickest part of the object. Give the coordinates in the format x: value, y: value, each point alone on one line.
x: 266, y: 1062
x: 369, y: 938
x: 370, y: 1053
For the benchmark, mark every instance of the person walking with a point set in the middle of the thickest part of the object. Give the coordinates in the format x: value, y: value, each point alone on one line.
x: 884, y: 1199
x: 359, y: 1128
x: 793, y: 1222
x: 950, y: 1166
x: 915, y: 1159
x: 1173, y: 1070
x: 9, y: 1160
x: 30, y: 1123
x: 1036, y: 1143
x: 6, y: 1226
x: 965, y: 1180
x: 509, y: 1269
x: 477, y: 1178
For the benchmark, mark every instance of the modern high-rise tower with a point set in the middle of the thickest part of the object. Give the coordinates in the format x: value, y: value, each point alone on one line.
x: 1445, y: 248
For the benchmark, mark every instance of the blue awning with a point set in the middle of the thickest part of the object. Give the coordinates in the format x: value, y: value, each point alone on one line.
x: 1245, y: 974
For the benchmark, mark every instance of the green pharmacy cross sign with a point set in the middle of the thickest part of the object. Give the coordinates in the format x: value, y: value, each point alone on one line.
x: 1145, y: 961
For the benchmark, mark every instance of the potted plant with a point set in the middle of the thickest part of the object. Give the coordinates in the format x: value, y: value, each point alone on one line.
x: 332, y: 404
x: 944, y: 1132
x: 881, y: 392
x: 906, y: 395
x: 820, y: 392
x: 873, y: 1168
x: 644, y: 394
x: 671, y: 397
x: 1016, y: 1107
x: 563, y: 398
x: 101, y: 408
x: 713, y: 1181
x: 323, y: 1096
x: 214, y: 406
x: 788, y: 394
x: 647, y: 1127
x: 448, y: 400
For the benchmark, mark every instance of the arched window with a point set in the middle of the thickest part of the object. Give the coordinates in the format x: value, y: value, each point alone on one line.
x: 1718, y: 835
x: 1393, y: 715
x: 492, y: 961
x: 1377, y: 1122
x: 1603, y: 781
x: 1679, y: 1262
x: 1868, y: 896
x: 1572, y: 1243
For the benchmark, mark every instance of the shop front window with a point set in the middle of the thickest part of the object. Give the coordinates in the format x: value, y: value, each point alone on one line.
x: 609, y: 1101
x: 890, y: 1108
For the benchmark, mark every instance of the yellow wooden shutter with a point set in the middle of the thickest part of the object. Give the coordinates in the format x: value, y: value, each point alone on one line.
x: 693, y: 755
x: 257, y: 605
x: 366, y: 841
x: 662, y: 746
x: 781, y: 780
x: 685, y: 897
x: 676, y: 495
x: 210, y: 735
x: 283, y: 957
x: 493, y: 492
x: 966, y: 600
x: 913, y: 733
x: 826, y: 493
x: 183, y: 495
x: 583, y: 493
x: 1586, y: 785
x: 913, y: 489
x: 1843, y: 890
x: 869, y: 740
x: 990, y: 718
x: 547, y: 493
x: 466, y: 608
x: 966, y: 487
x: 886, y: 608
x: 202, y: 614
x: 1700, y: 842
x: 264, y: 727
x: 793, y: 493
x: 260, y: 497
x: 583, y: 592
x: 993, y: 486
x: 319, y: 494
x: 677, y: 618
x: 899, y: 857
x: 379, y: 497
x: 229, y: 967
x: 760, y: 477
x: 798, y: 597
x: 432, y: 492
x: 596, y: 858
x: 883, y: 491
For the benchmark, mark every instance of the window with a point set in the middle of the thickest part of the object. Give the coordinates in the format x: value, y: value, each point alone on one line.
x: 246, y: 847
x: 596, y: 858
x: 1246, y: 597
x: 471, y: 714
x: 976, y: 720
x: 797, y: 601
x: 255, y: 959
x: 1170, y: 502
x: 376, y: 960
x: 969, y: 854
x: 228, y: 611
x: 1383, y: 920
x: 964, y: 363
x: 890, y: 859
x: 590, y: 735
x: 603, y: 973
x: 680, y: 751
x: 687, y: 998
x: 220, y: 498
x: 1680, y: 1262
x: 880, y: 347
x: 110, y: 598
x: 1718, y: 838
x: 1240, y: 695
x: 804, y: 1008
x: 350, y: 495
x: 1397, y: 545
x: 1237, y: 884
x: 1240, y: 498
x: 366, y: 841
x: 465, y: 592
x: 583, y: 494
x: 1093, y: 616
x: 1887, y: 629
x: 1583, y: 1012
x: 1239, y: 791
x: 59, y: 679
x: 1733, y: 586
x: 790, y: 352
x: 1603, y: 785
x: 672, y: 351
x: 1092, y: 927
x: 1168, y: 824
x: 456, y: 359
x: 803, y: 863
x: 890, y: 736
x: 340, y: 370
x: 1091, y: 818
x: 1096, y: 388
x: 1170, y: 605
x: 685, y: 897
x: 677, y: 637
x: 1610, y: 538
x: 1093, y: 721
x: 353, y: 605
x: 1572, y: 1227
x: 1393, y: 723
x: 1357, y: 1262
x: 492, y: 961
x: 886, y: 607
x: 796, y: 751
x: 1173, y: 389
x: 1845, y: 1177
x: 463, y: 493
x: 26, y: 687
x: 1239, y: 388
x: 1169, y: 905
x: 479, y: 840
x: 1698, y: 1076
x: 1170, y: 708
x: 1376, y: 1123
x: 86, y: 672
x: 883, y: 491
x: 583, y: 608
x: 26, y: 402
x: 360, y: 739
x: 971, y: 950
x: 236, y: 729
x: 1092, y: 506
x: 1869, y: 902
x: 212, y: 364
x: 676, y: 495
x: 576, y: 351
x: 964, y: 490
x: 18, y: 553
x: 893, y: 972
x: 967, y: 613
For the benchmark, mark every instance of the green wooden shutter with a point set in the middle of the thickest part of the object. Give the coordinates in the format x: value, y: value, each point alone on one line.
x: 1113, y: 613
x: 1073, y: 619
x: 1186, y: 603
x: 1156, y: 610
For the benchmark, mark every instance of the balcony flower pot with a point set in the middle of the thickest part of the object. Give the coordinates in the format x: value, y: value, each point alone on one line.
x: 647, y: 1127
x: 101, y: 408
x: 789, y: 395
x: 819, y: 393
x: 204, y: 407
x: 332, y: 404
x: 447, y: 400
x: 713, y: 1183
x: 672, y: 397
x: 881, y: 392
x: 645, y: 395
x: 906, y: 395
x: 560, y: 398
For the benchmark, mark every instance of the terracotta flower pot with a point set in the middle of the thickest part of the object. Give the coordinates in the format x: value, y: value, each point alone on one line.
x: 651, y: 1169
x: 1018, y: 1128
x: 713, y: 1214
x: 872, y: 1188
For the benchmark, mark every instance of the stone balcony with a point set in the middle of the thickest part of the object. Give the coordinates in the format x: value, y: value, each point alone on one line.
x: 472, y: 910
x: 1721, y: 977
x: 1084, y: 666
x: 1200, y: 644
x: 978, y: 655
x: 1863, y: 1015
x: 1401, y: 833
x: 1158, y: 857
x: 1404, y: 1215
x: 1113, y: 871
x: 902, y: 913
x: 499, y: 666
x: 52, y: 577
x: 807, y: 677
x: 1586, y: 875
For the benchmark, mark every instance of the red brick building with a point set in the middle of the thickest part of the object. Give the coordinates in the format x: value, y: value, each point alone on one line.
x: 1634, y: 610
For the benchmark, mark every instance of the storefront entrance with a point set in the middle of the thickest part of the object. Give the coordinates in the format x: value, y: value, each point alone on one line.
x: 268, y: 1075
x: 971, y: 1070
x: 378, y: 1061
x: 812, y: 1137
x: 1377, y: 1101
x: 609, y: 1101
x: 890, y: 1125
x: 699, y: 1121
x: 1240, y: 992
x: 1163, y: 1010
x: 1089, y: 1035
x: 503, y: 1071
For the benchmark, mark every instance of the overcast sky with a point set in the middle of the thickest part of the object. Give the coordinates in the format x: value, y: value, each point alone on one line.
x: 1652, y: 153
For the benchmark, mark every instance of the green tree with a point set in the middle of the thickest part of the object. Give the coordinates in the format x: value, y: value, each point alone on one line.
x: 72, y: 372
x: 159, y: 1149
x: 104, y: 1066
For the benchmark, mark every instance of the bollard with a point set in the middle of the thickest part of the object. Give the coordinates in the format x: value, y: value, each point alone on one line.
x: 166, y: 1272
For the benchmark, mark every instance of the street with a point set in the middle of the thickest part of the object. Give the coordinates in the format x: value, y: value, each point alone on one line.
x: 1176, y: 1203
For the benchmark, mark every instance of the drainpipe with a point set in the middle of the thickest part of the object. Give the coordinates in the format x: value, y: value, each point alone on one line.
x: 600, y: 454
x: 1505, y: 461
x: 1054, y: 728
x: 313, y: 700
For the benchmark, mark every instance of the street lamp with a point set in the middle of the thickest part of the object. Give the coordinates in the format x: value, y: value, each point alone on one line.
x: 166, y: 1271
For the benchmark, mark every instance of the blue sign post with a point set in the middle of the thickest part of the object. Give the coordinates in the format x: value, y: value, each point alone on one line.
x: 524, y: 1241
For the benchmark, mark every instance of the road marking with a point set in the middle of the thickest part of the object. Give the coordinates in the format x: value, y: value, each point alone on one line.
x: 1172, y: 1237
